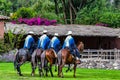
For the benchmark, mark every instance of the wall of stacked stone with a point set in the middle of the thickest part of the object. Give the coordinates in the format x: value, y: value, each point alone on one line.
x: 7, y: 57
x: 100, y: 64
x: 85, y: 63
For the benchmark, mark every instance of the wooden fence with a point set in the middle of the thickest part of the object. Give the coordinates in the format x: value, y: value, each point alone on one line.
x: 110, y: 54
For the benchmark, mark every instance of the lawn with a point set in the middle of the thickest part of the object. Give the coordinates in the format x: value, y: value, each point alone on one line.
x: 7, y: 72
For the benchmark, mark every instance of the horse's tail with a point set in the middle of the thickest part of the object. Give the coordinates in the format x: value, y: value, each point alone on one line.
x: 16, y: 60
x: 59, y: 55
x: 43, y: 59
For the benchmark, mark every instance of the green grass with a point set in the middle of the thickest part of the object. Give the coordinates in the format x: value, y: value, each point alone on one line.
x: 7, y: 72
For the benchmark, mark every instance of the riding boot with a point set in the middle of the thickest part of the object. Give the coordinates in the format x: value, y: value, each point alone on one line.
x: 74, y: 56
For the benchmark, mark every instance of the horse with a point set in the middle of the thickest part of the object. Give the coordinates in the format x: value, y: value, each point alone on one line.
x: 48, y: 56
x: 22, y: 55
x: 65, y: 57
x: 36, y: 60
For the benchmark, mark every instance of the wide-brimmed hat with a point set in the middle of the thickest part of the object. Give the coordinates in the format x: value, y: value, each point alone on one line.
x: 30, y: 32
x: 44, y: 31
x: 69, y: 33
x: 56, y: 34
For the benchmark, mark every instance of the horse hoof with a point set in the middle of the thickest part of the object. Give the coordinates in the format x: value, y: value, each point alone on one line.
x: 55, y: 70
x: 66, y: 70
x: 74, y: 76
x: 20, y: 74
x: 62, y: 76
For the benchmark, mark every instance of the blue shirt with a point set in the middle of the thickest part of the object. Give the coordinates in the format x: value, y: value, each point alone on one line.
x: 28, y: 42
x: 55, y: 44
x: 43, y: 42
x: 69, y: 42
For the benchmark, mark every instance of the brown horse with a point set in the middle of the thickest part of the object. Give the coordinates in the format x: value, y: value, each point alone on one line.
x: 48, y: 56
x: 65, y: 57
x: 36, y: 61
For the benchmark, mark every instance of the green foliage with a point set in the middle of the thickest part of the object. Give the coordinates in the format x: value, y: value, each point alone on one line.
x: 112, y: 19
x: 24, y: 13
x: 47, y: 6
x: 5, y: 7
x: 44, y: 8
x: 99, y: 12
x: 4, y: 47
x: 10, y: 41
x: 88, y: 17
x: 52, y: 16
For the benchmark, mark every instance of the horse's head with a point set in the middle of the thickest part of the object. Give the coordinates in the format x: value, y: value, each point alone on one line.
x: 80, y: 46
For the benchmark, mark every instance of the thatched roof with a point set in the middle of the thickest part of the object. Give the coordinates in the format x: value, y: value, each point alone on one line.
x: 78, y: 30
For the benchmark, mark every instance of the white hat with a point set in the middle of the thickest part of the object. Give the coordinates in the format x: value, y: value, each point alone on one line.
x: 45, y: 31
x: 30, y: 32
x: 69, y: 32
x: 56, y: 34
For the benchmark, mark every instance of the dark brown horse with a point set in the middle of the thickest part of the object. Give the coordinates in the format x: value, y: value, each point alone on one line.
x: 36, y: 61
x: 48, y: 56
x: 65, y: 57
x: 22, y: 56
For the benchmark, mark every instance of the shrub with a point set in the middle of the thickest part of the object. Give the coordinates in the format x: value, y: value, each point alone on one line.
x: 88, y: 17
x: 36, y: 21
x: 99, y: 13
x: 110, y: 18
x: 4, y: 47
x: 10, y: 41
x: 24, y: 13
x: 49, y: 15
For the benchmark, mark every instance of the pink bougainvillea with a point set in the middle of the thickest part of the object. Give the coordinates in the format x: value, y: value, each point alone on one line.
x: 35, y: 21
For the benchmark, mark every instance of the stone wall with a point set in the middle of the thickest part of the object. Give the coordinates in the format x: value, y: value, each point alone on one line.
x: 85, y: 63
x: 7, y: 57
x: 100, y: 64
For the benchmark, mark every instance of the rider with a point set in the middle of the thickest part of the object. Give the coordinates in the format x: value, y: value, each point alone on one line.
x: 55, y: 43
x: 29, y: 42
x: 43, y: 41
x: 70, y: 44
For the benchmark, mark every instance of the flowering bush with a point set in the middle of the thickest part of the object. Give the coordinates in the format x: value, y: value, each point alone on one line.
x: 102, y: 24
x: 35, y: 21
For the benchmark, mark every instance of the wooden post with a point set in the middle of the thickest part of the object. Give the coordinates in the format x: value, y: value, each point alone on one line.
x: 115, y: 53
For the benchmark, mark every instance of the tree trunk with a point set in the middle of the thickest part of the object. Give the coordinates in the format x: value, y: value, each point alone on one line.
x: 56, y: 7
x: 70, y: 9
x: 64, y: 10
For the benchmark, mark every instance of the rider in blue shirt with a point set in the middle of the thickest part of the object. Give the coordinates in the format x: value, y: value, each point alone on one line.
x: 43, y: 41
x: 29, y: 42
x: 70, y: 44
x: 55, y: 43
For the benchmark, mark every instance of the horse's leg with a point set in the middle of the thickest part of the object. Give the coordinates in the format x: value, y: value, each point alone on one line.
x: 33, y: 63
x: 18, y: 64
x: 40, y: 69
x: 75, y: 65
x: 18, y: 69
x: 42, y: 63
x: 46, y: 67
x: 55, y: 65
x: 59, y: 62
x: 61, y: 66
x: 68, y: 68
x: 50, y: 68
x: 61, y: 73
